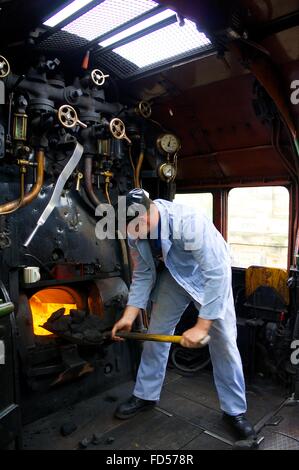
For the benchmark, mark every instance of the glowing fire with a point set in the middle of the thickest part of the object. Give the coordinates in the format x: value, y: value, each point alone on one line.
x: 47, y: 301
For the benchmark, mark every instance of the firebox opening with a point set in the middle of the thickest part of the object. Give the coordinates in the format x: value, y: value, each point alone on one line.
x: 44, y: 302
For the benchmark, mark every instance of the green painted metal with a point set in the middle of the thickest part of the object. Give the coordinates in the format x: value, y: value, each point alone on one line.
x: 6, y: 308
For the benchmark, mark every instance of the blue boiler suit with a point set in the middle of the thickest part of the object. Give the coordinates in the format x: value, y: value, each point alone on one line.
x: 198, y: 269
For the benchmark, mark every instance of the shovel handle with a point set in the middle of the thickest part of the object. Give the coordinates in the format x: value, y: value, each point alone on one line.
x: 158, y: 338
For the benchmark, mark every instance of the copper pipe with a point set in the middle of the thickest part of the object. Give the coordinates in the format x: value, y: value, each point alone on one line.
x: 88, y: 182
x: 132, y: 165
x: 107, y: 192
x: 11, y: 206
x: 138, y: 168
x: 22, y: 193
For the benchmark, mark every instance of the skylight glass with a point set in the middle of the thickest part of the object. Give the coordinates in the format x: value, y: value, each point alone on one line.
x: 138, y: 27
x: 106, y: 16
x: 66, y: 12
x: 163, y: 44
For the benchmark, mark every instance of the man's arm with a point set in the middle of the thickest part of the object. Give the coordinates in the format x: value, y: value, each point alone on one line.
x: 191, y: 338
x: 140, y: 289
x: 211, y: 254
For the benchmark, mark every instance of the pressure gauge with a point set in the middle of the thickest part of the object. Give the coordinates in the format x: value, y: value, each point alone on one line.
x: 168, y: 144
x: 167, y: 172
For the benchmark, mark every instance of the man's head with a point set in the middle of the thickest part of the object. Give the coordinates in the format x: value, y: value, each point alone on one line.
x: 142, y: 214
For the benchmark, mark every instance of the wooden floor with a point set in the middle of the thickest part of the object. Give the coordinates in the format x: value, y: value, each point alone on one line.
x: 187, y: 417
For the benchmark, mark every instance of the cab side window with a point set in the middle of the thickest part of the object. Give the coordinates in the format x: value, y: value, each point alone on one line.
x: 258, y: 226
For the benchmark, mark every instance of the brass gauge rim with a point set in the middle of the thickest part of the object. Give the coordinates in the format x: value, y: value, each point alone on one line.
x: 160, y: 146
x: 161, y: 174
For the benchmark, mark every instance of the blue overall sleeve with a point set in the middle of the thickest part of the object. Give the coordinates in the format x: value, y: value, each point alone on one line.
x: 142, y: 279
x: 210, y: 251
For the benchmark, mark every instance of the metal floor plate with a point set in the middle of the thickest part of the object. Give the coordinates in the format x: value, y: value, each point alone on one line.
x: 187, y: 417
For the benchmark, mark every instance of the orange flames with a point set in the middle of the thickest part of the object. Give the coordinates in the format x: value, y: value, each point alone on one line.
x: 47, y: 301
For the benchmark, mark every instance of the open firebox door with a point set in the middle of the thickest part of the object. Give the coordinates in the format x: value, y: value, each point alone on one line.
x: 47, y: 301
x: 53, y: 322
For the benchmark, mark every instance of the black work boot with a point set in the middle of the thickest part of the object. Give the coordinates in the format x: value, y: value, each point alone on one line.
x: 241, y: 426
x: 132, y: 407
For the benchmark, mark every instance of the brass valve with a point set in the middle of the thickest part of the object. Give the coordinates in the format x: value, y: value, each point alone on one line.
x: 68, y: 117
x: 98, y: 77
x: 108, y: 175
x: 25, y: 163
x: 144, y: 109
x: 4, y: 67
x: 118, y: 130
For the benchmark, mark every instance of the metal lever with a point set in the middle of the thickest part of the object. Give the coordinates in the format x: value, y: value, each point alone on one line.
x: 79, y: 178
x: 64, y: 176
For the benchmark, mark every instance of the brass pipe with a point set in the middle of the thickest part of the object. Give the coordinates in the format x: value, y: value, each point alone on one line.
x: 22, y: 193
x: 88, y: 182
x: 138, y: 168
x: 132, y: 165
x: 107, y: 192
x: 11, y: 206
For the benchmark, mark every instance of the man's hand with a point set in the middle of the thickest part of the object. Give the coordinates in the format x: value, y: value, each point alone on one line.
x: 191, y: 338
x: 126, y: 322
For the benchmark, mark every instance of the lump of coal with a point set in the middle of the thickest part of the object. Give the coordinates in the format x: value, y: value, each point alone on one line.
x: 84, y: 443
x: 96, y: 439
x: 67, y: 428
x: 56, y: 315
x: 80, y: 326
x: 92, y: 335
x: 62, y: 325
x: 110, y: 440
x: 77, y: 315
x: 78, y: 336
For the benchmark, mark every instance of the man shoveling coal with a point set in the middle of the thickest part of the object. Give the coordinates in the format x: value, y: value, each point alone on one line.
x: 178, y: 257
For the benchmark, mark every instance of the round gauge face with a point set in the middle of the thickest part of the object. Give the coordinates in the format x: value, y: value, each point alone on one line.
x: 168, y: 171
x: 168, y: 143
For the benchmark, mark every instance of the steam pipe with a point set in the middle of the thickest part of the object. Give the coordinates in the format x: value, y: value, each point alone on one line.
x: 96, y: 202
x: 140, y: 160
x: 132, y: 165
x: 88, y: 182
x: 41, y: 90
x: 11, y: 206
x: 138, y: 168
x: 107, y: 193
x: 22, y: 193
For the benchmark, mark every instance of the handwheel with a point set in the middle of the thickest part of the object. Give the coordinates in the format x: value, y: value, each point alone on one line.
x: 68, y: 117
x: 4, y: 67
x: 98, y: 77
